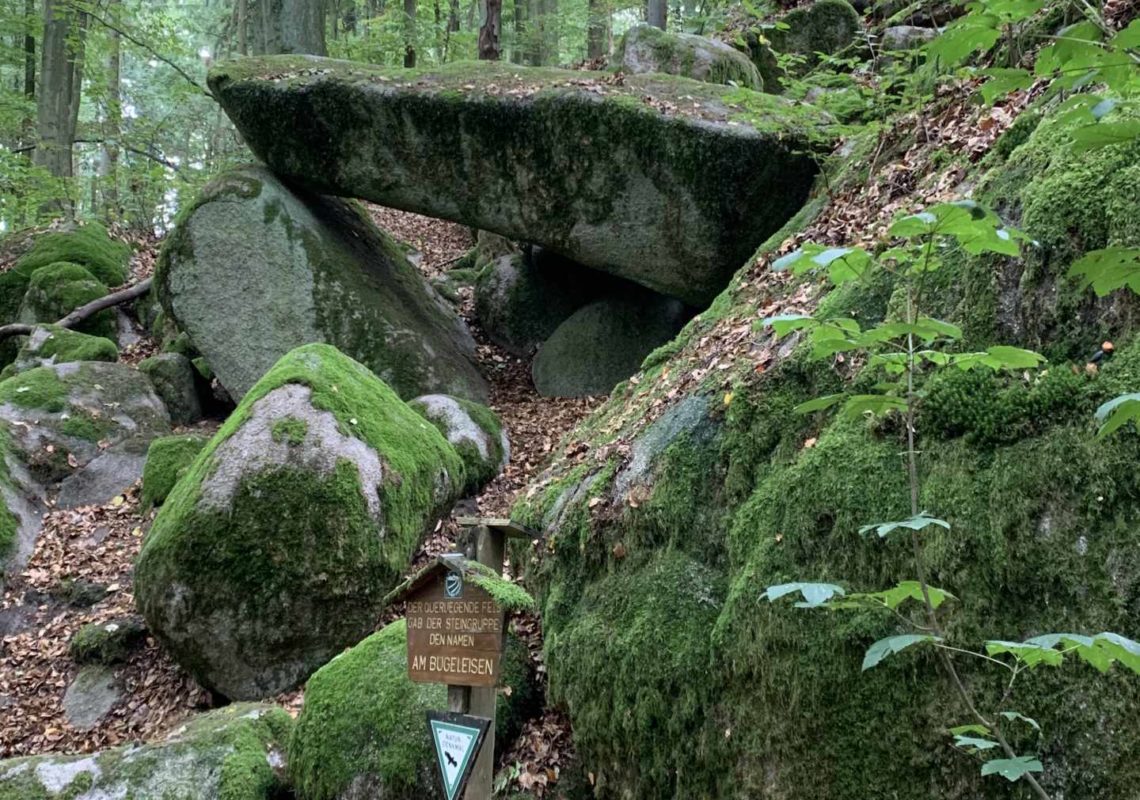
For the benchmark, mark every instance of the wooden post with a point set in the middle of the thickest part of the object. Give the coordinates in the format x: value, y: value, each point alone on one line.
x: 489, y: 550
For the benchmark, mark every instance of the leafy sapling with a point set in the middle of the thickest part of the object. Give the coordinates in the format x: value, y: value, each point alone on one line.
x: 905, y: 352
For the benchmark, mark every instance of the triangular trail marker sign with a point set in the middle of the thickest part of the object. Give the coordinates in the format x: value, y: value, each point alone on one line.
x: 457, y: 739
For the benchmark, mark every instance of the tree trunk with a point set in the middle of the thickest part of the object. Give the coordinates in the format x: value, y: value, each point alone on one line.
x: 409, y: 33
x: 55, y: 133
x: 490, y: 32
x: 598, y: 29
x: 29, y: 50
x: 550, y: 41
x: 243, y: 27
x: 519, y: 48
x: 114, y: 128
x: 289, y: 26
x: 656, y: 13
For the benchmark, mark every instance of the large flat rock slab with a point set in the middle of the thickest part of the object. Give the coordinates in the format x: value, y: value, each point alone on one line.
x: 666, y: 181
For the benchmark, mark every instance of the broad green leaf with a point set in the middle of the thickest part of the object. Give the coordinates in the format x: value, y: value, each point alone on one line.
x: 1122, y: 650
x: 968, y: 35
x: 974, y: 743
x: 915, y: 523
x: 981, y: 730
x: 860, y: 404
x: 998, y: 358
x: 1014, y: 715
x: 1012, y: 769
x: 1104, y: 134
x: 785, y: 262
x: 820, y: 403
x: 895, y: 596
x: 1109, y: 269
x: 1129, y: 37
x: 814, y: 594
x: 891, y: 645
x: 1117, y: 413
x: 1003, y: 81
x: 784, y: 324
x: 1029, y: 654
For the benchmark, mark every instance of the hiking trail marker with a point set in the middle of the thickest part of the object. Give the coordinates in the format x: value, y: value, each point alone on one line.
x: 457, y: 739
x: 456, y: 631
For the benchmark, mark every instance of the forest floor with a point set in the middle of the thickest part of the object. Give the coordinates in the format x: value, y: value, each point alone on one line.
x: 81, y: 570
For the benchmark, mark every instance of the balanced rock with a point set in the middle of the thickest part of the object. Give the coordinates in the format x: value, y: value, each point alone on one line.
x: 667, y: 182
x: 276, y: 548
x: 256, y: 268
x: 473, y: 430
x: 235, y: 753
x: 645, y: 48
x: 521, y: 299
x: 605, y: 342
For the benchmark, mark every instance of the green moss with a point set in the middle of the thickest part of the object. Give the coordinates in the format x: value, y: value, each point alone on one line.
x: 291, y: 430
x: 106, y: 643
x: 510, y: 596
x: 65, y: 345
x: 84, y: 425
x: 9, y: 523
x: 58, y: 289
x: 363, y: 716
x: 89, y: 246
x: 37, y: 388
x: 167, y: 460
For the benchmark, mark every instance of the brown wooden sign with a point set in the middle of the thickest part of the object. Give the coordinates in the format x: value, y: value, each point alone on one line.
x: 455, y: 633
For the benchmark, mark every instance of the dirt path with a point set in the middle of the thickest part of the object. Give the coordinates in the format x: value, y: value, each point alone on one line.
x: 96, y: 546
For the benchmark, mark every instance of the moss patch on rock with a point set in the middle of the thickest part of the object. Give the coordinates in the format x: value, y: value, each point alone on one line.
x: 89, y: 246
x: 51, y: 344
x: 57, y: 289
x: 234, y: 753
x: 167, y: 460
x: 261, y: 534
x: 473, y: 430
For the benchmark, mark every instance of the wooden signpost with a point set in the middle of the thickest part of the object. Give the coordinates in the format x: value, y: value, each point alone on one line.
x: 456, y: 632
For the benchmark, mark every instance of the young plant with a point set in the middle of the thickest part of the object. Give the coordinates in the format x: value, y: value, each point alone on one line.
x: 907, y: 351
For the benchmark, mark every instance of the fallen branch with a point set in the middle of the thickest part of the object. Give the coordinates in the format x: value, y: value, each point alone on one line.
x: 83, y: 312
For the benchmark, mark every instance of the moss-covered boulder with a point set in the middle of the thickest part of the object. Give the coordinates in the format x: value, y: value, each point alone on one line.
x: 361, y: 734
x: 167, y: 459
x: 681, y: 681
x: 89, y: 245
x: 825, y: 26
x: 234, y: 753
x: 645, y: 48
x: 521, y: 299
x: 20, y: 507
x: 605, y: 342
x: 174, y: 378
x: 51, y: 344
x: 314, y: 269
x: 665, y: 181
x: 78, y: 410
x: 58, y: 289
x: 13, y: 285
x: 473, y: 430
x: 275, y: 550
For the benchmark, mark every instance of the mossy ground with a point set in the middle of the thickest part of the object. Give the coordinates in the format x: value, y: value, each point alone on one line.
x: 89, y: 246
x: 62, y: 346
x: 1043, y: 539
x: 37, y: 388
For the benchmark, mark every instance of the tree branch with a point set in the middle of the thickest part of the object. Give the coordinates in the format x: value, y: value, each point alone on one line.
x: 83, y: 312
x: 139, y: 43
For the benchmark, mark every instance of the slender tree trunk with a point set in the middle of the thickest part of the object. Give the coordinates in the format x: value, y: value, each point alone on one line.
x: 597, y: 29
x: 54, y: 134
x: 29, y: 50
x: 550, y: 40
x: 114, y: 130
x: 409, y: 33
x: 656, y: 13
x: 490, y: 32
x: 519, y: 49
x: 243, y: 27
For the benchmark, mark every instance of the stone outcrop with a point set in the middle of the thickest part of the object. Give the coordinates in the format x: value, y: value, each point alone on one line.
x: 667, y: 182
x: 312, y: 269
